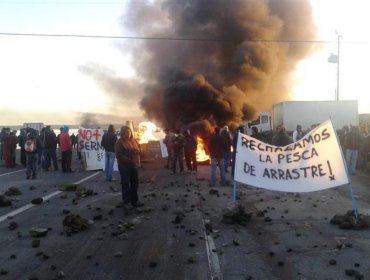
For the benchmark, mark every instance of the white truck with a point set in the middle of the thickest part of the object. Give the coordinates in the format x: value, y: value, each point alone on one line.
x: 308, y: 113
x: 263, y: 123
x: 37, y: 126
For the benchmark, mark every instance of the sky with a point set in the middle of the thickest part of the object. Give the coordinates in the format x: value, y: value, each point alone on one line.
x: 49, y: 79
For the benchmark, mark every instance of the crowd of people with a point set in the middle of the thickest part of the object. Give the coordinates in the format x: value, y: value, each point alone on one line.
x: 37, y: 148
x: 355, y: 144
x: 40, y: 148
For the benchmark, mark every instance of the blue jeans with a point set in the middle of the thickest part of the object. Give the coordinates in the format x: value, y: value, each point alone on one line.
x: 221, y: 166
x: 351, y: 160
x: 109, y: 164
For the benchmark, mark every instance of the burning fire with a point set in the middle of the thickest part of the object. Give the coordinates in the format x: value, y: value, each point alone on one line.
x: 145, y: 132
x: 201, y: 153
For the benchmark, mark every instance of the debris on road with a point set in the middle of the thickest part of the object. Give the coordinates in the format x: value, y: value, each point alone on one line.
x: 38, y: 232
x: 236, y: 215
x: 13, y: 191
x: 348, y: 221
x: 4, y: 201
x: 74, y: 223
x: 12, y: 226
x: 69, y: 187
x: 37, y: 201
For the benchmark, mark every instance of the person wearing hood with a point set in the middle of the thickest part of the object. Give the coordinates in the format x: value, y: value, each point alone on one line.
x: 128, y: 157
x: 65, y: 145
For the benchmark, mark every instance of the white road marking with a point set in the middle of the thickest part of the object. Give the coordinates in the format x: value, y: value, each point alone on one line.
x: 28, y: 206
x: 12, y: 172
x: 213, y: 261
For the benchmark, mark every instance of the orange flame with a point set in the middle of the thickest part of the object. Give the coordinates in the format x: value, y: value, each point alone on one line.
x: 201, y: 153
x: 145, y: 132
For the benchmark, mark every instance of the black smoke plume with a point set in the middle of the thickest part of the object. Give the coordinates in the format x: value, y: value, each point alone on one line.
x: 238, y: 58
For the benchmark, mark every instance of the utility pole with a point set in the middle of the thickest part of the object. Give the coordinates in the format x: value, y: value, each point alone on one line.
x: 337, y: 95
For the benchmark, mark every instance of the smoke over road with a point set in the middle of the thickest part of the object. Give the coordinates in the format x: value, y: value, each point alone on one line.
x: 237, y: 59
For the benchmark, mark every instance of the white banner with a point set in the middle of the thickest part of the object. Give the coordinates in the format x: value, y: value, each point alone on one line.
x: 89, y: 142
x: 313, y: 163
x: 163, y: 146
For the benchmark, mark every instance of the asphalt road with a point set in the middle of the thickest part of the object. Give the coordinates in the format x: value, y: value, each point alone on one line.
x: 170, y: 237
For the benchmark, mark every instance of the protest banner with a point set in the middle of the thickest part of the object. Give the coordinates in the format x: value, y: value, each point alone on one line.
x: 164, y: 152
x: 313, y: 163
x: 89, y: 142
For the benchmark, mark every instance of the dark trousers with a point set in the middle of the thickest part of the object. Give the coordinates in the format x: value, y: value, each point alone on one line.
x: 23, y: 156
x: 130, y: 183
x: 31, y: 163
x: 51, y: 155
x: 191, y: 160
x: 178, y: 157
x: 67, y: 161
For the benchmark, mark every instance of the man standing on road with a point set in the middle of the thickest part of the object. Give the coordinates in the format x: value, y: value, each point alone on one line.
x: 217, y: 148
x: 50, y: 147
x: 108, y: 141
x: 65, y: 145
x: 128, y: 157
x: 190, y: 150
x: 352, y: 144
x: 32, y: 147
x: 168, y: 142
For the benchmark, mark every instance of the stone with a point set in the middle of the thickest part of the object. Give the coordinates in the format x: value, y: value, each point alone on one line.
x: 35, y: 243
x: 13, y: 191
x: 332, y: 262
x: 74, y: 223
x: 213, y: 192
x: 37, y: 201
x: 236, y: 215
x: 348, y: 221
x: 12, y: 226
x: 118, y: 254
x: 152, y: 264
x: 69, y: 187
x: 4, y: 201
x: 191, y: 260
x: 38, y: 232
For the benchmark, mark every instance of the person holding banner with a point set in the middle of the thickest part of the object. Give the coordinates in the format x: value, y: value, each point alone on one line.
x: 108, y: 141
x: 128, y: 157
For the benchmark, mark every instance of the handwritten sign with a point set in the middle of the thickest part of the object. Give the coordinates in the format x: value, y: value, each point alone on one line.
x: 313, y: 163
x: 89, y: 142
x: 89, y: 139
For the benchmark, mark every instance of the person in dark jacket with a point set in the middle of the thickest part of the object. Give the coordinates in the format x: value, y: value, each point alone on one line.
x: 281, y: 138
x: 21, y: 141
x: 32, y: 148
x: 190, y: 151
x: 128, y: 157
x: 235, y: 143
x: 108, y: 141
x: 225, y: 133
x: 50, y: 147
x: 178, y: 151
x: 352, y: 143
x: 217, y: 148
